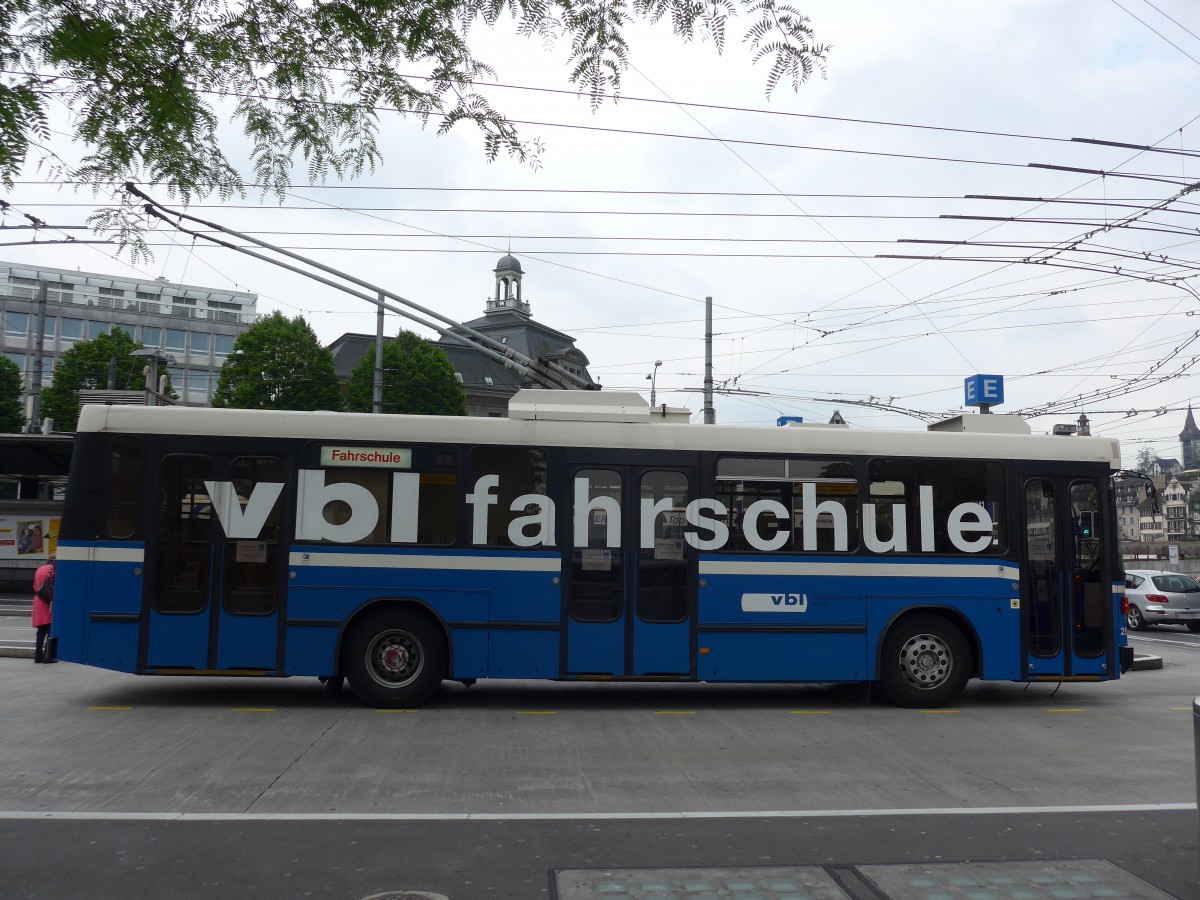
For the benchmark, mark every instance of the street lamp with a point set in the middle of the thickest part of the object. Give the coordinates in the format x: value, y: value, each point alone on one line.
x: 653, y: 378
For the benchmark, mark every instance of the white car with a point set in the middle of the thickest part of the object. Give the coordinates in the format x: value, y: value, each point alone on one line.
x: 1162, y: 598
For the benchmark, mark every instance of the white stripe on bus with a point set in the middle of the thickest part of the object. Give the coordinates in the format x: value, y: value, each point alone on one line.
x: 553, y: 564
x: 102, y: 554
x: 405, y: 561
x: 856, y: 569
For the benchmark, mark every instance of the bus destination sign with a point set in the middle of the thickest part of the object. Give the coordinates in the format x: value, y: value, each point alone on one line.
x: 368, y: 457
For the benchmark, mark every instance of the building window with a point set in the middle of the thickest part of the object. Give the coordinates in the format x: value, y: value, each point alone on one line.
x: 72, y: 329
x: 95, y: 329
x: 176, y: 340
x: 201, y: 342
x: 151, y: 337
x: 222, y: 344
x: 16, y: 324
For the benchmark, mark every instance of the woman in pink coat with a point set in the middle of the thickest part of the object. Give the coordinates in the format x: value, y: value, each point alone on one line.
x: 42, y: 610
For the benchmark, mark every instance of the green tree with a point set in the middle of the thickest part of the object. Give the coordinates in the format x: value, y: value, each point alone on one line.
x: 417, y: 379
x: 142, y: 78
x: 11, y: 416
x: 1146, y: 457
x: 278, y: 363
x: 86, y: 366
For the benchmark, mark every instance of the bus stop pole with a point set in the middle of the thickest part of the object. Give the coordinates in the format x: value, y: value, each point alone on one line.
x: 1196, y: 748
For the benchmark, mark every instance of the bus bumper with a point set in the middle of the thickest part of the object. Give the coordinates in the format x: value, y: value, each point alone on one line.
x: 1126, y: 659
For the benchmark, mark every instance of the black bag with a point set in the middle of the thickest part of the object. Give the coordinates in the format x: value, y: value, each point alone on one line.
x: 46, y: 591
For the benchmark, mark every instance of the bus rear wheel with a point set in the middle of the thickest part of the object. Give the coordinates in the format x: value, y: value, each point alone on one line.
x: 925, y: 663
x: 395, y: 658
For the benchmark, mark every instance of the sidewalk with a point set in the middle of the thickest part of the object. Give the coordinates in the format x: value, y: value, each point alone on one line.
x: 16, y: 634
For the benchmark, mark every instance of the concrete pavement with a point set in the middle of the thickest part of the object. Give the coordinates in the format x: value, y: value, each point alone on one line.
x: 16, y: 634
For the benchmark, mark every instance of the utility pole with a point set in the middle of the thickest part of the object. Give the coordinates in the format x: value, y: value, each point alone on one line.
x: 377, y: 387
x: 710, y: 414
x: 34, y: 425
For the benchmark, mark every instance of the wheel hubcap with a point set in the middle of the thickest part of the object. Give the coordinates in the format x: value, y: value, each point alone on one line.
x: 394, y: 658
x: 926, y: 661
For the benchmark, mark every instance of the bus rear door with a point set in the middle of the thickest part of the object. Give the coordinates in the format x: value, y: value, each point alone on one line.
x: 1066, y: 583
x: 211, y: 602
x: 629, y: 575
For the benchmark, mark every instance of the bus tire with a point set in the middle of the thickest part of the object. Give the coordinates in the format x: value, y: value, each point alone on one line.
x: 395, y: 658
x: 926, y: 662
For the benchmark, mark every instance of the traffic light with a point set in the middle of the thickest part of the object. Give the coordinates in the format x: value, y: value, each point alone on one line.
x: 1087, y: 523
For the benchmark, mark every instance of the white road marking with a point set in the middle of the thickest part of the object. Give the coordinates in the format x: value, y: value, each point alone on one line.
x: 1191, y: 645
x: 585, y: 816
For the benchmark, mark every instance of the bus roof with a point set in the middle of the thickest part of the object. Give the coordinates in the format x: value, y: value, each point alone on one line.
x: 632, y: 427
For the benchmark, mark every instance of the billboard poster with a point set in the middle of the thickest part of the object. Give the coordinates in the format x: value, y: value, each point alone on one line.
x: 28, y: 537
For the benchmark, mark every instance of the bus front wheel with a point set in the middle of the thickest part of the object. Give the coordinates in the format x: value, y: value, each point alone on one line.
x: 395, y: 658
x: 925, y: 663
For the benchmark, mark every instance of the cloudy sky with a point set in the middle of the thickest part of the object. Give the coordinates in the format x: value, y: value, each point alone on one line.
x: 790, y: 211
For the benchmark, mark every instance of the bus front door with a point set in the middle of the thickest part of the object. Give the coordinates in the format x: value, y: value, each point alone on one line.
x: 630, y: 576
x: 210, y: 601
x: 1066, y: 584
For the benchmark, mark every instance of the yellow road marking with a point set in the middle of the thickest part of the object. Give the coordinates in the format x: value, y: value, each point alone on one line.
x: 110, y: 708
x: 938, y: 712
x: 1066, y: 710
x: 1181, y: 709
x: 537, y: 712
x: 674, y: 712
x: 810, y: 712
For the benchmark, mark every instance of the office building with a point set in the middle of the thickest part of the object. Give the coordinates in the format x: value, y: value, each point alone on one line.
x: 193, y: 326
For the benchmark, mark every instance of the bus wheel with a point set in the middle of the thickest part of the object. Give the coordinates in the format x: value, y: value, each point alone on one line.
x: 925, y: 662
x: 395, y: 658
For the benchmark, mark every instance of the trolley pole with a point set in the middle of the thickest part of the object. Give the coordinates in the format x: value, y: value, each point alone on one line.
x: 710, y: 414
x: 377, y: 388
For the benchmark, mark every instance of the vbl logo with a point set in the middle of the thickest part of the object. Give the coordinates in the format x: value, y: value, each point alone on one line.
x: 788, y: 602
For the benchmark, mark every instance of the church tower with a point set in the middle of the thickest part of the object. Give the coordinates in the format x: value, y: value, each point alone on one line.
x: 508, y: 287
x: 1190, y: 438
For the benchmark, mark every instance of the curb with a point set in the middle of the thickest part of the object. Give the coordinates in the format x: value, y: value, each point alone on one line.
x: 16, y: 652
x: 1146, y: 663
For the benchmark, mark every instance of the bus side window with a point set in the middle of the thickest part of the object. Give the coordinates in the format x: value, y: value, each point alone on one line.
x: 897, y: 483
x: 125, y: 476
x: 415, y: 503
x: 522, y: 471
x: 781, y: 483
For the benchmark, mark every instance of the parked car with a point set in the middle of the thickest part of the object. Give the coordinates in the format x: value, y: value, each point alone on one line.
x: 1162, y: 598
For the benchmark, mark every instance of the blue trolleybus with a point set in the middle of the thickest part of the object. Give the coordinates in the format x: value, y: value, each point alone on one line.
x: 587, y: 537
